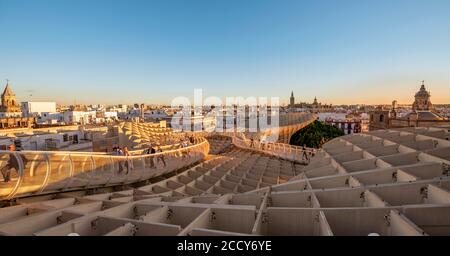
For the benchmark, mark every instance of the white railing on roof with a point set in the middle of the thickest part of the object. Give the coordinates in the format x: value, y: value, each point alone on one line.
x: 280, y: 150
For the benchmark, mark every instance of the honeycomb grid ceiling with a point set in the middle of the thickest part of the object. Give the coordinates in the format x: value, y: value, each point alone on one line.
x: 388, y: 182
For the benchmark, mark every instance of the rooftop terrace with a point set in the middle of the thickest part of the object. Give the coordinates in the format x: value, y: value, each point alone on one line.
x: 391, y: 182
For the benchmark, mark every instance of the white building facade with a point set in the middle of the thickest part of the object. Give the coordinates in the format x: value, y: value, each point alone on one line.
x: 80, y: 117
x: 62, y: 140
x: 34, y: 108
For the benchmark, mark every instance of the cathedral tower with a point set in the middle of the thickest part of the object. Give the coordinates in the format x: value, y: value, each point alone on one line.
x: 292, y: 100
x: 9, y: 102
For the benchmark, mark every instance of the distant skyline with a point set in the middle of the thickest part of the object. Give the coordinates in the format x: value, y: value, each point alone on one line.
x: 111, y: 51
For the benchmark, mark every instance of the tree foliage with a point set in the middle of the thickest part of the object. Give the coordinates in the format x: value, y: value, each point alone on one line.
x: 315, y: 135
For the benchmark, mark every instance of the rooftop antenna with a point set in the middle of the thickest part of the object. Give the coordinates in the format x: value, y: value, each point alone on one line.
x: 31, y: 94
x: 422, y: 87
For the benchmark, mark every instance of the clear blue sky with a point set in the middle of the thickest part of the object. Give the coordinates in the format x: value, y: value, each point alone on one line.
x: 342, y: 51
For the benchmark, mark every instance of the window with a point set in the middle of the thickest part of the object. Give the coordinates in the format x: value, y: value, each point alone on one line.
x: 65, y: 137
x: 381, y: 118
x: 75, y: 139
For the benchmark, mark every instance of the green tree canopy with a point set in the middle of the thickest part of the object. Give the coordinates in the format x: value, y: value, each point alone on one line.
x: 315, y: 135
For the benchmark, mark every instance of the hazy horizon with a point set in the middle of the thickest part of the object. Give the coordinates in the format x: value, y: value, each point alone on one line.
x: 111, y: 52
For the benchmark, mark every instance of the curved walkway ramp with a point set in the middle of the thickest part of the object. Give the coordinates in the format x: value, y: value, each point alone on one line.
x: 292, y: 153
x: 289, y: 124
x: 293, y: 122
x: 36, y: 172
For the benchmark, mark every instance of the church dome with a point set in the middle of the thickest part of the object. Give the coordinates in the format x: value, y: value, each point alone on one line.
x: 422, y: 100
x: 423, y: 93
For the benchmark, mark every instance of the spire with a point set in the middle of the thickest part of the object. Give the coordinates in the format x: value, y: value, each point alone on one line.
x: 292, y: 94
x: 422, y: 87
x: 7, y: 90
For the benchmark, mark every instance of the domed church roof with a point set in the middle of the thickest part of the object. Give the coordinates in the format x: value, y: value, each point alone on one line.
x: 423, y: 92
x: 422, y: 100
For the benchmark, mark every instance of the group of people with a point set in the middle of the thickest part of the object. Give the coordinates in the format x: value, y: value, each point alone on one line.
x: 128, y: 163
x: 185, y: 142
x: 262, y: 144
x: 160, y: 158
x: 307, y: 153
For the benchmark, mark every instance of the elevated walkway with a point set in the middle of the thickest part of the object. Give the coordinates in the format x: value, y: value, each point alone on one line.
x: 44, y: 172
x: 41, y: 172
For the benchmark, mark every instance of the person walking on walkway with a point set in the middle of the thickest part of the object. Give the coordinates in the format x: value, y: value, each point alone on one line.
x: 305, y: 154
x: 12, y: 163
x: 150, y: 151
x: 161, y: 156
x: 129, y: 162
x: 119, y: 152
x: 183, y: 144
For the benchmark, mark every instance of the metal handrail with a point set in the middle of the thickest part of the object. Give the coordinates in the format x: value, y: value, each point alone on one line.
x: 45, y: 180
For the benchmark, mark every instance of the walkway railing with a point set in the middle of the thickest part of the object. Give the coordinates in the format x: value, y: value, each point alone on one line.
x: 40, y: 172
x: 291, y: 123
x: 280, y: 150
